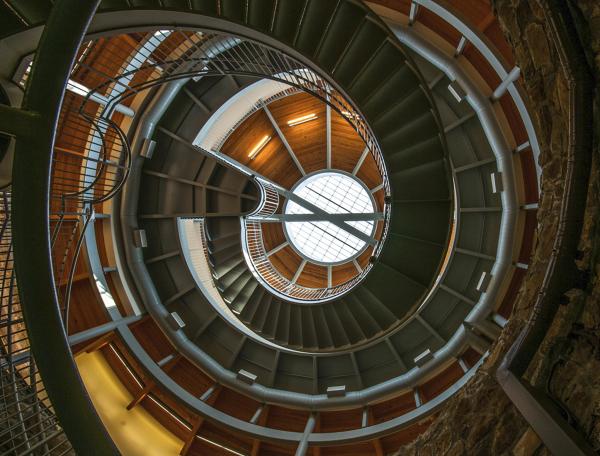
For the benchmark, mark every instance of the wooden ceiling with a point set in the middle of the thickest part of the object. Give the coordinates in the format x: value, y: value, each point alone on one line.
x: 308, y: 141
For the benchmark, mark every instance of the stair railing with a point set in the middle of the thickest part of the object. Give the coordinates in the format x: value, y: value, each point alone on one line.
x: 262, y: 269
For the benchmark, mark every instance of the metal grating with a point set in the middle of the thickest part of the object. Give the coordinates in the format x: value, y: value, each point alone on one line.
x: 27, y: 422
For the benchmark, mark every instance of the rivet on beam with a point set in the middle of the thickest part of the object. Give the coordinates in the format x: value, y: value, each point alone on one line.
x: 461, y: 46
x: 336, y: 391
x: 522, y: 147
x: 521, y: 265
x: 246, y: 377
x: 139, y: 238
x: 208, y: 393
x: 497, y: 185
x: 457, y: 91
x: 418, y: 401
x: 423, y: 358
x: 147, y: 150
x: 175, y: 321
x: 463, y: 365
x: 484, y: 282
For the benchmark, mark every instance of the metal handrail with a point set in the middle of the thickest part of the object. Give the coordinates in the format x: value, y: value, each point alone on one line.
x: 445, y: 13
x: 61, y: 38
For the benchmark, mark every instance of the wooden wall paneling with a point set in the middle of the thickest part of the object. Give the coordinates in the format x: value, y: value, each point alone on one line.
x: 228, y: 439
x: 357, y: 449
x: 85, y: 309
x: 342, y: 273
x: 273, y: 162
x: 470, y: 357
x: 287, y: 419
x: 273, y: 235
x: 237, y: 405
x: 508, y: 301
x: 286, y: 261
x: 441, y: 382
x: 313, y: 276
x: 439, y: 25
x: 198, y: 422
x: 152, y: 339
x: 342, y: 420
x: 190, y: 378
x: 307, y: 140
x: 392, y: 408
x: 346, y: 145
x: 368, y: 173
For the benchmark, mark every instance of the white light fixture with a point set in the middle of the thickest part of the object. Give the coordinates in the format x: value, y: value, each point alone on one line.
x: 260, y: 146
x: 301, y: 120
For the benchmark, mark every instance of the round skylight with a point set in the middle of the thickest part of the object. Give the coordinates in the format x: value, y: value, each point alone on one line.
x: 322, y: 241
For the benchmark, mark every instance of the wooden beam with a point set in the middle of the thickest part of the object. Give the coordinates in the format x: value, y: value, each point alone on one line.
x: 376, y: 442
x: 151, y: 384
x: 98, y: 343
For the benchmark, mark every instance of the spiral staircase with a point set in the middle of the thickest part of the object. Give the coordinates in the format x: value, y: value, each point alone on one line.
x: 140, y: 191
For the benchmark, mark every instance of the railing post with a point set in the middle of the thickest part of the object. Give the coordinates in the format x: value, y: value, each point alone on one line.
x: 62, y: 36
x: 303, y: 445
x: 505, y: 84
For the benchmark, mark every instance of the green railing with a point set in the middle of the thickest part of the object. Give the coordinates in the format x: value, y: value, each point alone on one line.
x: 34, y: 126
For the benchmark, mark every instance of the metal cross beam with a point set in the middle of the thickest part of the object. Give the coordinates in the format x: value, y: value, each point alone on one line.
x: 322, y: 213
x: 333, y: 218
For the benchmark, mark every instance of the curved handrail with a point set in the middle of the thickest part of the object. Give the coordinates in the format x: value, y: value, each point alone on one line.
x: 440, y: 10
x: 61, y: 38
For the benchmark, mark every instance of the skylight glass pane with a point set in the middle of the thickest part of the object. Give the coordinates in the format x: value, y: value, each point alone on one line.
x: 322, y: 241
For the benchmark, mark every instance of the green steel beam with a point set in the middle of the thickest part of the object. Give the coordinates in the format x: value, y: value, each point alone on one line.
x: 59, y: 43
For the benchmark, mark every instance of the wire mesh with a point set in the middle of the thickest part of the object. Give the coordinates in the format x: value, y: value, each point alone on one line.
x: 27, y: 422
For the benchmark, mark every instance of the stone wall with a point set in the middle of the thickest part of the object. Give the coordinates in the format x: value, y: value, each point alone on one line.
x: 481, y: 420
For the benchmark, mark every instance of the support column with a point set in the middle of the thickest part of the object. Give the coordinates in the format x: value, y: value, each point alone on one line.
x: 101, y: 330
x: 303, y: 445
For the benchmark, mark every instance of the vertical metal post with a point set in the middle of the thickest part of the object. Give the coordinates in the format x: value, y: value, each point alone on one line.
x: 303, y: 445
x: 412, y: 15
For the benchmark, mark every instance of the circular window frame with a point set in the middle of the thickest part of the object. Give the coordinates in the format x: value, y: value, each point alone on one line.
x: 288, y: 236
